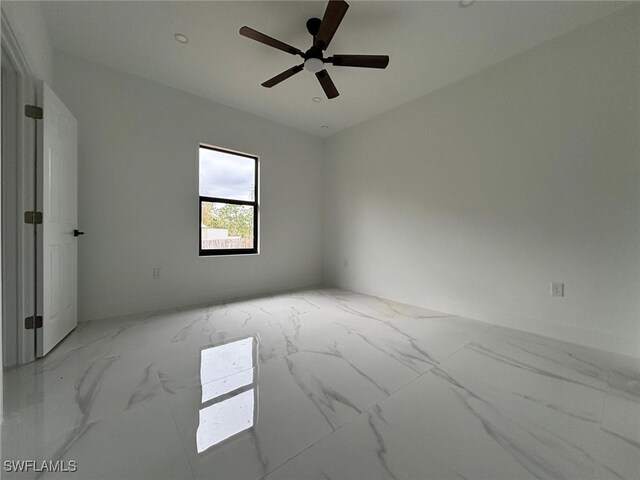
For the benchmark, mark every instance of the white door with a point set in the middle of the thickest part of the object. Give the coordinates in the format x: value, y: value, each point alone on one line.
x: 57, y: 198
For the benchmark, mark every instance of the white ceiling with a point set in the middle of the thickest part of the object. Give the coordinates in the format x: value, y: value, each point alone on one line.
x: 431, y: 44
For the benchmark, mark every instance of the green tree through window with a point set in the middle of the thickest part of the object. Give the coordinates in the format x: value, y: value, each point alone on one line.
x: 237, y: 219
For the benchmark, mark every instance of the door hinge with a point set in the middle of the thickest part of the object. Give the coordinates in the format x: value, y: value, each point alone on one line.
x: 32, y: 111
x: 33, y: 322
x: 33, y: 217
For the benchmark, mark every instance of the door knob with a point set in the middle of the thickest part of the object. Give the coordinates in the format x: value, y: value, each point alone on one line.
x: 77, y: 233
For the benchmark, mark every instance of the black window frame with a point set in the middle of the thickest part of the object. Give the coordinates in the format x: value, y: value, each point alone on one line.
x: 253, y: 203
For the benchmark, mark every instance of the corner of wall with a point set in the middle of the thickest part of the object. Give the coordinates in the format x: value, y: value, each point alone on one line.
x: 28, y: 24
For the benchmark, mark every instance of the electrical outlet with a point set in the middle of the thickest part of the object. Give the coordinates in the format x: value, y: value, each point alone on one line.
x: 557, y: 289
x: 156, y: 273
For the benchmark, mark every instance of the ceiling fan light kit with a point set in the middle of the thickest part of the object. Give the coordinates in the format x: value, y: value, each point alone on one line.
x: 313, y: 65
x: 314, y: 60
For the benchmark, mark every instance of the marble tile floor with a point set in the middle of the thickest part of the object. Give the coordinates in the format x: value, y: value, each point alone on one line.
x: 320, y: 384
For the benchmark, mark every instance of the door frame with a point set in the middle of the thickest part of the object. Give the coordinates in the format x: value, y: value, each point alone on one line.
x: 25, y: 187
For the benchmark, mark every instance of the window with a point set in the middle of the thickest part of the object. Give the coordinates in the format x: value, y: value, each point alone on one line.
x: 228, y: 202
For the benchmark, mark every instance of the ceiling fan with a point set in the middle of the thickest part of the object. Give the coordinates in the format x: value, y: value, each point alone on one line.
x: 322, y: 31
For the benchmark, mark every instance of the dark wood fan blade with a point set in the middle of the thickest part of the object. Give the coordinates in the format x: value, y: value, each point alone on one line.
x: 333, y: 15
x: 327, y: 84
x: 283, y: 76
x: 366, y: 61
x: 267, y: 40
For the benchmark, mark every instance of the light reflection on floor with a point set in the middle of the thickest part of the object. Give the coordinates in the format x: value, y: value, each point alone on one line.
x: 227, y: 373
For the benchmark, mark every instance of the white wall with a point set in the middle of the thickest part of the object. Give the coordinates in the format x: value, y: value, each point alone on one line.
x: 138, y: 195
x: 29, y: 26
x: 472, y: 199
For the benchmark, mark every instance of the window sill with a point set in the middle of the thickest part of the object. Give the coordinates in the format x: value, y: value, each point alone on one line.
x: 206, y: 254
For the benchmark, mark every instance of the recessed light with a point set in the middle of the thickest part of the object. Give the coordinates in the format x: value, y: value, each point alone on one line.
x: 316, y: 99
x: 466, y: 3
x: 181, y: 38
x: 324, y: 127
